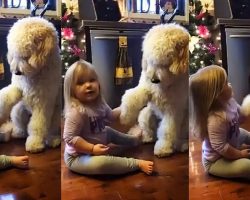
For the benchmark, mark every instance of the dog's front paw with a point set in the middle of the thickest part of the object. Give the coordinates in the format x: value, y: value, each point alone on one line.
x: 34, y: 144
x: 163, y: 148
x: 135, y: 130
x: 5, y: 132
x: 126, y: 118
x: 53, y: 141
x: 182, y: 145
x: 147, y: 138
x: 4, y: 137
x: 18, y: 133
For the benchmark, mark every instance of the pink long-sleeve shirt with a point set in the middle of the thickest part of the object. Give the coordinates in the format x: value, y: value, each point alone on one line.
x: 88, y: 123
x: 223, y: 131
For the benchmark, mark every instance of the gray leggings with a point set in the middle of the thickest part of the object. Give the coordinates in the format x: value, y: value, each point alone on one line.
x: 239, y: 168
x: 5, y: 161
x: 105, y: 164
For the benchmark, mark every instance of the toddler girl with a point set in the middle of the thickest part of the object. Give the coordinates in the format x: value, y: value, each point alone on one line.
x: 85, y: 133
x: 215, y: 118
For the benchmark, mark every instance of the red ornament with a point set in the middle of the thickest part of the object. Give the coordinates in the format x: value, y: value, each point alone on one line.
x: 200, y: 16
x: 67, y: 16
x: 76, y: 50
x: 203, y: 31
x: 211, y: 48
x: 68, y: 33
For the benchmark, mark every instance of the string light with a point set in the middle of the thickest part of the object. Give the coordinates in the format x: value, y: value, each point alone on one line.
x: 197, y: 46
x: 218, y: 38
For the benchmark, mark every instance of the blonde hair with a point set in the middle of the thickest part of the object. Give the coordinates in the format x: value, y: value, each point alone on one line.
x: 204, y: 88
x: 70, y: 81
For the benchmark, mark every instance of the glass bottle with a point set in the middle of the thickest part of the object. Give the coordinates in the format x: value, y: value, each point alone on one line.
x: 1, y: 68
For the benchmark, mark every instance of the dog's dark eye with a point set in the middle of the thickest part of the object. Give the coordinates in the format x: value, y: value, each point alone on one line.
x: 25, y: 57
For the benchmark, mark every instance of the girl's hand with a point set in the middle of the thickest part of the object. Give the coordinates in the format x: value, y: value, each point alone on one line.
x: 245, y: 153
x: 100, y: 149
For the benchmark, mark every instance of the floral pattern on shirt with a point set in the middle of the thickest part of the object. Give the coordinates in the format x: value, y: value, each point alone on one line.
x: 97, y: 124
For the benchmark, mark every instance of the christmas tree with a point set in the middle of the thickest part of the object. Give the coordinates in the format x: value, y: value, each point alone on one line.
x: 70, y: 52
x: 202, y: 47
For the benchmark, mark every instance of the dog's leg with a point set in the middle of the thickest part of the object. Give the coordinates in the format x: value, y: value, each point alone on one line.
x: 20, y: 118
x: 132, y: 102
x: 148, y: 123
x: 166, y: 135
x: 9, y: 96
x: 182, y: 143
x: 5, y: 131
x: 38, y: 129
x: 54, y: 137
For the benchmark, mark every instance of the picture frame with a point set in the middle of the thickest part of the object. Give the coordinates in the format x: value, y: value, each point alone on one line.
x: 155, y: 14
x: 12, y: 11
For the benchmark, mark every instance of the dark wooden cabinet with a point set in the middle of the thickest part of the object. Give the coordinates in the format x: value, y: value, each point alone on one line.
x: 235, y: 40
x: 102, y: 43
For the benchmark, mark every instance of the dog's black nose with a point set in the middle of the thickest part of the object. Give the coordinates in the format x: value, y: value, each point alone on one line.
x: 155, y: 80
x: 18, y: 72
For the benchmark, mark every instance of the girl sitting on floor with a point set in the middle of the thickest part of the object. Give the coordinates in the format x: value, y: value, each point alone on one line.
x: 85, y: 133
x: 215, y: 117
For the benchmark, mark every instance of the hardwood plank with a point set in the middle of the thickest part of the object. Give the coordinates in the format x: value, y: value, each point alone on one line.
x: 41, y: 181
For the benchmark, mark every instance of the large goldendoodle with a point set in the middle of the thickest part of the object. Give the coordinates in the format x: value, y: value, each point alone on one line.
x: 32, y: 100
x: 245, y: 109
x: 163, y: 89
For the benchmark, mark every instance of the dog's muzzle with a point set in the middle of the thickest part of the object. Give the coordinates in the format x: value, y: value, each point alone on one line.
x: 155, y: 79
x: 18, y: 73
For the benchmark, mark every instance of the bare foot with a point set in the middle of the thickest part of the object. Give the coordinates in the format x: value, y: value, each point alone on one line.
x: 146, y: 166
x: 21, y: 162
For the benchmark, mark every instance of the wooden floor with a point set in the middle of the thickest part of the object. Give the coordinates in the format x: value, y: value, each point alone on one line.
x: 206, y: 187
x: 40, y: 182
x: 170, y: 181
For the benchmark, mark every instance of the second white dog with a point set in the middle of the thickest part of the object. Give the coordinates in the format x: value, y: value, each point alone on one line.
x: 163, y: 89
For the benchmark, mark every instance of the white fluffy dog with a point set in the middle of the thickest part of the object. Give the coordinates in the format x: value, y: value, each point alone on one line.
x: 245, y: 107
x: 163, y: 89
x: 32, y: 100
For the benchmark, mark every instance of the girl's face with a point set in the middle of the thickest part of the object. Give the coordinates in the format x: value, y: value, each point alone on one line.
x: 168, y: 6
x: 226, y: 93
x: 87, y: 87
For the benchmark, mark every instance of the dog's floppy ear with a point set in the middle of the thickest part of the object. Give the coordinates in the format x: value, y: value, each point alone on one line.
x: 45, y: 45
x: 181, y: 61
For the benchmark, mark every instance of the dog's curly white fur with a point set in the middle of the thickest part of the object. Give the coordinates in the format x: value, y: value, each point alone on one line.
x: 32, y: 100
x: 163, y: 89
x: 245, y: 107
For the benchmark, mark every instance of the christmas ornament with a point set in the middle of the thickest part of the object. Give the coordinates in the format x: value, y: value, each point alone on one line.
x: 194, y: 40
